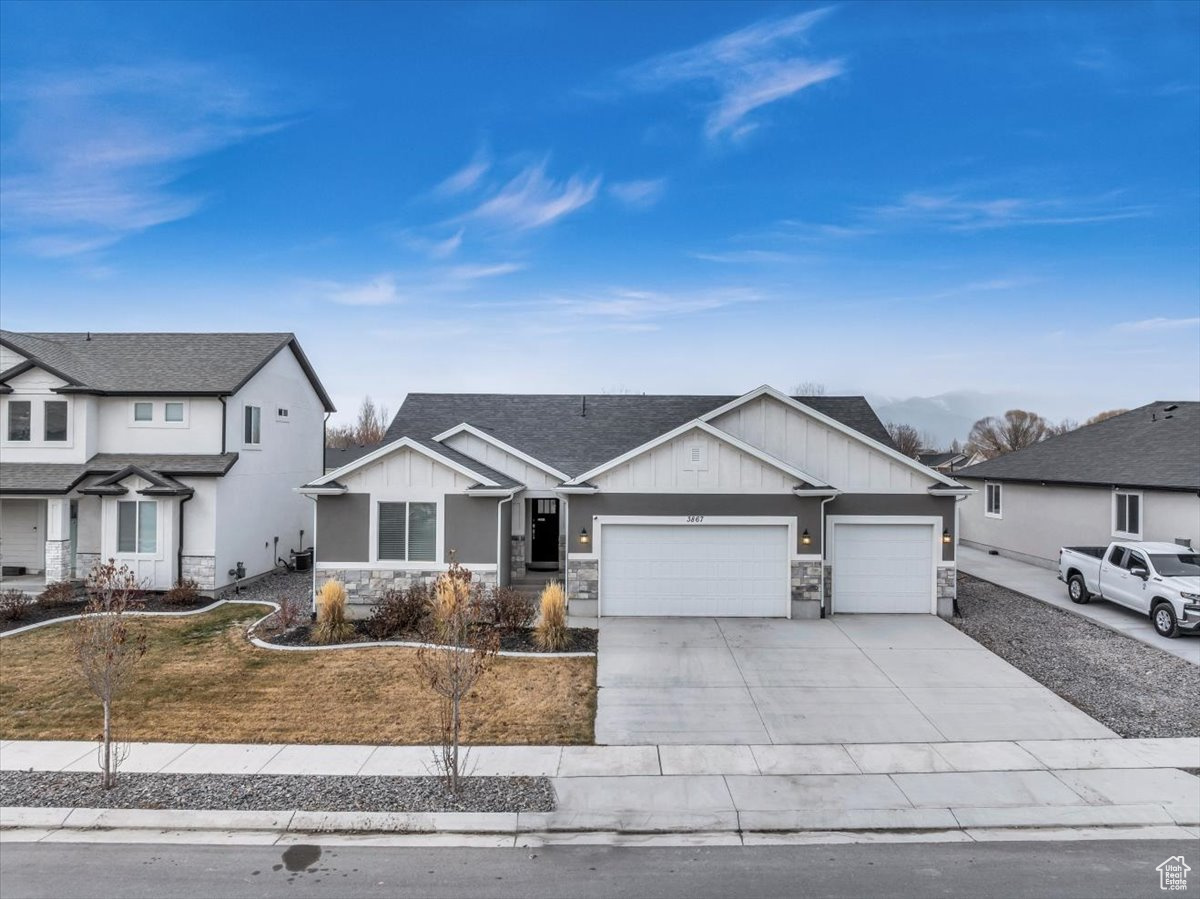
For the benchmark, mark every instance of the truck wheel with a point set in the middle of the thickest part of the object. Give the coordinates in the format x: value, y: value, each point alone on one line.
x: 1077, y: 590
x: 1164, y: 620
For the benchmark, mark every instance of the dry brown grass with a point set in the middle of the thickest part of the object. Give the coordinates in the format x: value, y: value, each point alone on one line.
x: 202, y: 681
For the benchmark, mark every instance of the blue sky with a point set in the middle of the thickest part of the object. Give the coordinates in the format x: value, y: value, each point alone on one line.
x: 986, y: 204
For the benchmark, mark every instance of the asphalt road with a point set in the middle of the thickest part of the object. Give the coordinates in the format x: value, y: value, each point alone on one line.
x: 1010, y: 870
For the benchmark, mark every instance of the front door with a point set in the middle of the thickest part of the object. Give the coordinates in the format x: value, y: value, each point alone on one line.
x: 543, y: 535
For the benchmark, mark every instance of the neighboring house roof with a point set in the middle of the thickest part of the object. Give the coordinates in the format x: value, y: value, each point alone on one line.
x: 488, y: 476
x: 1155, y: 446
x: 130, y: 364
x: 38, y: 477
x: 933, y: 460
x: 578, y: 432
x: 336, y: 457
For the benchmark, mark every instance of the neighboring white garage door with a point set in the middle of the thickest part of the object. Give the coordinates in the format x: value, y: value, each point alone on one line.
x: 882, y: 567
x: 695, y: 570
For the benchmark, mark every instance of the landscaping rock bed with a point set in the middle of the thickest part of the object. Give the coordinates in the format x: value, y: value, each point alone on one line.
x: 583, y: 639
x: 1134, y: 689
x: 273, y: 792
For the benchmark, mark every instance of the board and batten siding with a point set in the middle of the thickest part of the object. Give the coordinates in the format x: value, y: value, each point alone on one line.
x: 494, y: 457
x: 406, y: 470
x: 825, y: 452
x: 667, y: 469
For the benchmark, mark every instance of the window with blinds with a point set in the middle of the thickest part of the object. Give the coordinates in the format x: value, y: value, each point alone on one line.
x: 408, y: 532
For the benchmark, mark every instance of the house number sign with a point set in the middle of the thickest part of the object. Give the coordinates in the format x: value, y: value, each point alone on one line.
x: 695, y: 519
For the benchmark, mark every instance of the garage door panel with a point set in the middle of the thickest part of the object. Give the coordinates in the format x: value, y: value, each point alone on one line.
x: 883, y: 567
x: 695, y: 570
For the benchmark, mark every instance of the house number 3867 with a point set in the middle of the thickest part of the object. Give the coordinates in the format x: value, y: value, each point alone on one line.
x: 695, y: 519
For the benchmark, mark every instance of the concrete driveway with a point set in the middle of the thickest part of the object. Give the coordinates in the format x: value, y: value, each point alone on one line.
x: 852, y: 679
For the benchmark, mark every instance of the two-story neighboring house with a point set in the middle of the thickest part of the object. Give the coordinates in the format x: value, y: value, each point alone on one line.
x: 173, y: 453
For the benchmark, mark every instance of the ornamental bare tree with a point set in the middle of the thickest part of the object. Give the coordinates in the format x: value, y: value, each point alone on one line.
x: 108, y: 649
x: 991, y: 437
x: 369, y: 427
x: 1105, y: 416
x: 452, y: 669
x: 907, y: 439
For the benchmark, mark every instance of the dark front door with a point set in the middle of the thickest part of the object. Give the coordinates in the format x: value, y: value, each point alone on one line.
x: 543, y: 536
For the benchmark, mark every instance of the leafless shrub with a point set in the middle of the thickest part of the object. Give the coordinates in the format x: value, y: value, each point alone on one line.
x: 14, y: 604
x: 184, y: 593
x: 60, y: 593
x: 509, y: 610
x: 291, y: 612
x: 401, y: 611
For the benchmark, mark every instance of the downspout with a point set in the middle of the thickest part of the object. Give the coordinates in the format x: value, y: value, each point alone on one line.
x: 824, y: 553
x: 324, y: 438
x: 224, y: 422
x: 500, y: 538
x: 313, y: 597
x: 179, y: 553
x: 566, y: 523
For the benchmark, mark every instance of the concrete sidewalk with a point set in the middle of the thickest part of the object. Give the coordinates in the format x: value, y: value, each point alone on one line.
x: 1043, y: 584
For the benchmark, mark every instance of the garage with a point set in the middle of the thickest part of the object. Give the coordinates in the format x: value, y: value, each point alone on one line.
x: 883, y: 566
x: 702, y: 569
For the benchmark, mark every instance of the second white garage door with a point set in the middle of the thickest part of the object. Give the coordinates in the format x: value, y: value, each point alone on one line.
x: 695, y: 570
x: 882, y: 567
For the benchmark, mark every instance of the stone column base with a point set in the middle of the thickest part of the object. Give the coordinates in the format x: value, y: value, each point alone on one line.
x: 583, y: 581
x: 58, y: 560
x: 201, y: 569
x: 947, y: 590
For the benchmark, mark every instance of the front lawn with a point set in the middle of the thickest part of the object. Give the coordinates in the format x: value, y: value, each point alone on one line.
x: 202, y: 681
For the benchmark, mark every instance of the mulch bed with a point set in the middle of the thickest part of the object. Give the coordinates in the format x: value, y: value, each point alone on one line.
x: 36, y: 613
x: 583, y: 639
x: 1135, y: 689
x: 274, y: 792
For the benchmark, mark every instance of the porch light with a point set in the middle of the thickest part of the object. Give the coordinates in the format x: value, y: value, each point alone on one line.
x: 805, y: 538
x: 946, y: 536
x: 584, y: 539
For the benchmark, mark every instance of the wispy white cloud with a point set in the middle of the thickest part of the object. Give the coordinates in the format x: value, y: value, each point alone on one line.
x: 746, y: 257
x: 746, y: 69
x: 961, y: 213
x: 533, y: 200
x: 95, y: 155
x: 639, y: 194
x: 388, y: 288
x: 380, y: 290
x: 1159, y: 324
x: 434, y: 248
x: 642, y: 309
x: 467, y: 177
x: 476, y: 272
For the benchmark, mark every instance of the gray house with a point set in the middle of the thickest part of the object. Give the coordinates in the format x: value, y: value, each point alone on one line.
x: 757, y: 505
x: 1135, y: 476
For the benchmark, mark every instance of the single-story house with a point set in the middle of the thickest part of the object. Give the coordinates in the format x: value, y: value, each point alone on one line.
x: 947, y: 462
x: 1135, y: 476
x: 756, y: 505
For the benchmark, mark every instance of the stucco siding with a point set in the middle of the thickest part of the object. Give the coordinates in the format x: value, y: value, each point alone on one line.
x: 799, y: 439
x: 667, y: 469
x: 470, y: 529
x: 1038, y: 520
x: 343, y: 528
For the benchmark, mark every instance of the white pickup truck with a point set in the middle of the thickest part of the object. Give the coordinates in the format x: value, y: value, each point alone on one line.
x: 1161, y: 580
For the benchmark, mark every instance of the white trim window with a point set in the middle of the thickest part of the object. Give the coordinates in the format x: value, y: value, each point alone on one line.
x: 174, y: 412
x: 281, y: 414
x: 19, y: 426
x: 993, y: 500
x: 1127, y: 514
x: 252, y: 426
x: 407, y: 532
x: 143, y: 412
x: 56, y: 417
x: 137, y: 527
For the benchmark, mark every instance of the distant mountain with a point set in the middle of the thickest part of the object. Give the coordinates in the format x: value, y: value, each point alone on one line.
x: 944, y: 417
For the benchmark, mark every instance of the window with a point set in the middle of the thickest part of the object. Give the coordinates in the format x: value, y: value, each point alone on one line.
x: 252, y: 433
x: 55, y: 425
x: 173, y: 412
x: 1135, y: 560
x: 1115, y: 557
x: 143, y: 411
x: 281, y: 413
x: 20, y: 420
x: 1127, y: 515
x: 137, y: 527
x: 992, y: 501
x: 408, y: 532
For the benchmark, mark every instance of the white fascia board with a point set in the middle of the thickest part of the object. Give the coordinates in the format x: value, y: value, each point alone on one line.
x: 693, y: 425
x: 819, y: 491
x: 321, y: 491
x: 576, y: 489
x: 493, y: 491
x: 500, y: 444
x: 951, y: 491
x: 402, y: 443
x: 768, y: 390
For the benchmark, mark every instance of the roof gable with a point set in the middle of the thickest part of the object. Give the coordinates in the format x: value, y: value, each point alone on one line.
x: 445, y: 456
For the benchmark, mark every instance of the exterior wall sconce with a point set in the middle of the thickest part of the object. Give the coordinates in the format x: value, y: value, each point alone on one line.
x: 584, y: 539
x: 946, y: 538
x: 805, y: 538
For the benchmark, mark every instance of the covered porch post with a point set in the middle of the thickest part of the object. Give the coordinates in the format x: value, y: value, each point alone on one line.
x: 59, y: 563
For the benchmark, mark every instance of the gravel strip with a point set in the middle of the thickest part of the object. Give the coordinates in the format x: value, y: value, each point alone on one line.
x: 276, y: 586
x: 274, y: 792
x: 1134, y: 689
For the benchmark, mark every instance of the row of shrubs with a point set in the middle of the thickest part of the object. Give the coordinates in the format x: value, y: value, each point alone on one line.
x: 15, y: 604
x: 423, y: 610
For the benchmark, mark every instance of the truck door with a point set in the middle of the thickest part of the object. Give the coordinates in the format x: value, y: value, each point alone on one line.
x: 1137, y: 589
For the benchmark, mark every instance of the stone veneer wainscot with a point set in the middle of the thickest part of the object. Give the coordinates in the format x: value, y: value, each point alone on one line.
x: 365, y: 586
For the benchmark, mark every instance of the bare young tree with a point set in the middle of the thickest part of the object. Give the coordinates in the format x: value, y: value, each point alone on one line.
x: 369, y: 427
x: 809, y: 388
x: 991, y: 437
x: 907, y: 439
x: 452, y: 669
x: 108, y: 649
x: 1105, y: 416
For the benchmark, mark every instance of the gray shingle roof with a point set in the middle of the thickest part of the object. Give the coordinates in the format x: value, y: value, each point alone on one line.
x: 154, y: 363
x: 1152, y: 446
x: 933, y: 460
x: 466, y: 461
x: 37, y: 477
x: 575, y: 433
x: 344, y: 455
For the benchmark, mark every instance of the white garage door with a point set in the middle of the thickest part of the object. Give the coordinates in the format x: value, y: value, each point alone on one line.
x: 695, y: 570
x: 883, y: 568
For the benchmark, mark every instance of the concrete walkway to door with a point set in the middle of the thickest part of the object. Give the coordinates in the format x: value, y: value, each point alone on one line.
x: 850, y: 679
